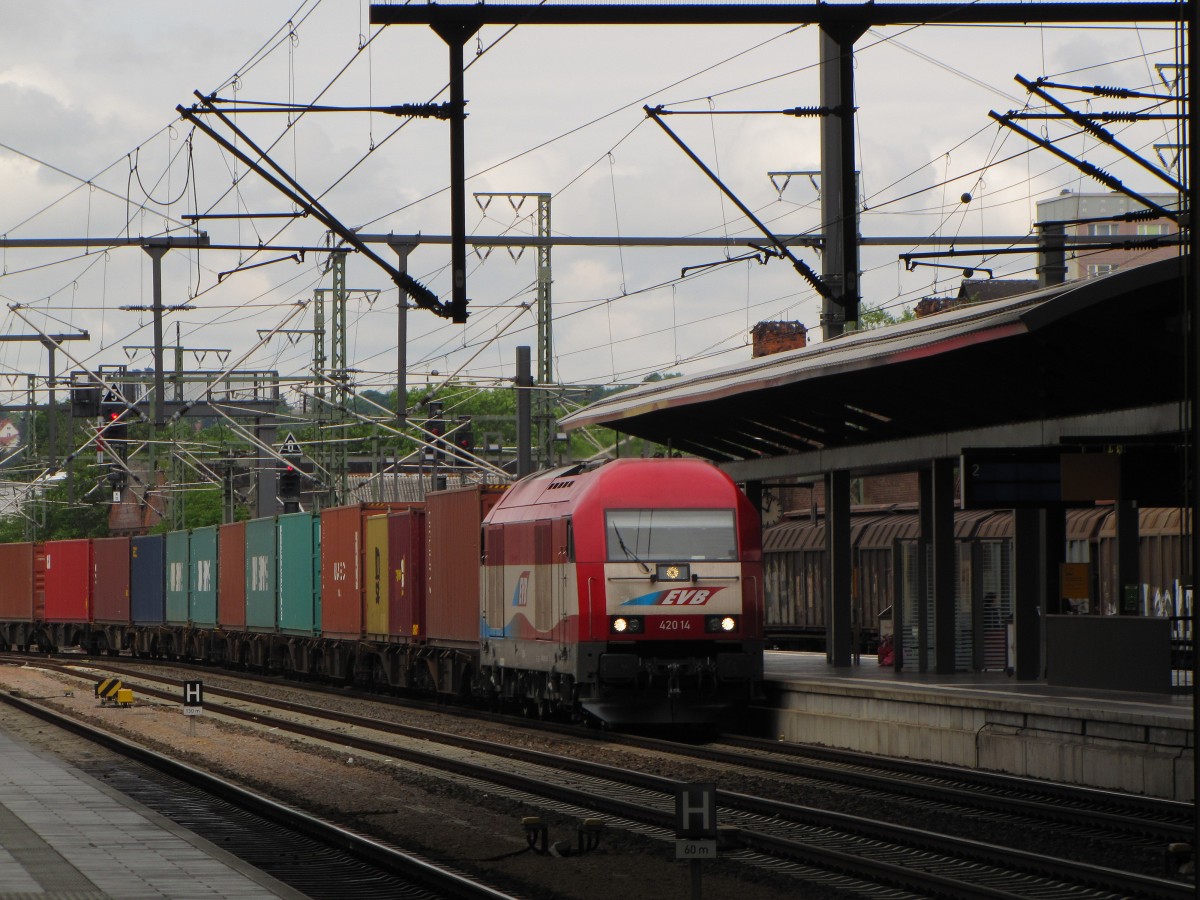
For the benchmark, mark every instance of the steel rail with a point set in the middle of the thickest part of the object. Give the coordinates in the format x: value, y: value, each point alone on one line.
x: 1005, y: 864
x: 419, y: 871
x: 1073, y: 805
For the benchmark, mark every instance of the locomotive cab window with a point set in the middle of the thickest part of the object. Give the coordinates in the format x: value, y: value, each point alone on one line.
x: 669, y: 535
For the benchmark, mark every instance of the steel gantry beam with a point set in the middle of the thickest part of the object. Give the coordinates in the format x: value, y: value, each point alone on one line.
x: 841, y: 25
x: 866, y: 15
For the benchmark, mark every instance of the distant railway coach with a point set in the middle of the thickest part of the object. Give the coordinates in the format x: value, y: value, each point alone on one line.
x: 631, y: 591
x: 885, y: 571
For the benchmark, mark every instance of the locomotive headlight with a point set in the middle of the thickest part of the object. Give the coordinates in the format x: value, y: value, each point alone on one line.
x: 717, y: 624
x: 626, y: 624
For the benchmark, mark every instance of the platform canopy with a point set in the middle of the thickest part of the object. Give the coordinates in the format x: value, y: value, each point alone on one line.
x: 1087, y: 362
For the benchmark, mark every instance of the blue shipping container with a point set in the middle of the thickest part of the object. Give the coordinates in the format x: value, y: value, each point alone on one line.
x: 177, y: 578
x: 147, y: 579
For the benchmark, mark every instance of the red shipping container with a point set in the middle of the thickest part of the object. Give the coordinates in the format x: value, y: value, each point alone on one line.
x: 343, y: 564
x: 406, y: 558
x: 69, y: 580
x: 16, y: 583
x: 453, y: 547
x: 110, y: 580
x: 231, y: 576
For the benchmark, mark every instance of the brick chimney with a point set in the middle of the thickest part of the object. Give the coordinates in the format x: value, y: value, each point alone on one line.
x: 775, y: 337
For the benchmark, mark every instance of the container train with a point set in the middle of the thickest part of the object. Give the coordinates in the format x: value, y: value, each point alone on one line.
x: 631, y: 592
x: 885, y: 540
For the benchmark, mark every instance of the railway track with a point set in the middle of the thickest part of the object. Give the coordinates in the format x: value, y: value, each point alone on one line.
x: 312, y: 855
x: 1092, y: 814
x: 769, y: 831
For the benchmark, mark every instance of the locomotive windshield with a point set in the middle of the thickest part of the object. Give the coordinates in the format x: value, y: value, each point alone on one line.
x: 670, y: 535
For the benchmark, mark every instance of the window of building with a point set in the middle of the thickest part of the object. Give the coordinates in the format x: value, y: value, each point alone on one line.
x: 1152, y: 229
x: 1096, y: 269
x: 1097, y: 229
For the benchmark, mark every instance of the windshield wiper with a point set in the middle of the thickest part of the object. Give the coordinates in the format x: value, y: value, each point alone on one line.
x: 629, y: 553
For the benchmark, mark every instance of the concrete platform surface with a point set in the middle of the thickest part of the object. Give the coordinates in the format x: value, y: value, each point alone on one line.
x: 1139, y: 743
x: 66, y: 836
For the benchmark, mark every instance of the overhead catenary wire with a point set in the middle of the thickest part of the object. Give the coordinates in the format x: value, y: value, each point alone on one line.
x: 627, y: 286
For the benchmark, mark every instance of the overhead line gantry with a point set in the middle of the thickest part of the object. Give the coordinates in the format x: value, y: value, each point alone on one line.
x: 841, y: 25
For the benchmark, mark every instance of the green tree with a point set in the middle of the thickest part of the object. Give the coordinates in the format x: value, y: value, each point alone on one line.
x: 877, y: 316
x: 51, y: 514
x: 201, y: 506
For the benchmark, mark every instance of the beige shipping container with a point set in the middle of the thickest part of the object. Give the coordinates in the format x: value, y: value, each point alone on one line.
x: 375, y: 576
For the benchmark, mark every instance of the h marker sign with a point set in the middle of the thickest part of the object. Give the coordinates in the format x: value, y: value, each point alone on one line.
x: 696, y: 811
x: 193, y: 698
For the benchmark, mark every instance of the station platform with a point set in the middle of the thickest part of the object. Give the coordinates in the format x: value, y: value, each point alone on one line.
x: 1137, y: 743
x: 66, y: 836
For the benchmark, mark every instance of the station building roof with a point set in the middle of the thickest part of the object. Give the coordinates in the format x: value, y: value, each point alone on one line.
x: 1087, y: 362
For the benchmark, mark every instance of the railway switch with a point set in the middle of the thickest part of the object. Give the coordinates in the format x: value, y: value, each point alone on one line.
x: 589, y: 834
x: 106, y: 690
x: 535, y: 833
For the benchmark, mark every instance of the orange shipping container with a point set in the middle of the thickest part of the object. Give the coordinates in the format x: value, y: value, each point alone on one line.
x: 16, y: 585
x: 453, y: 548
x: 110, y: 580
x: 231, y: 576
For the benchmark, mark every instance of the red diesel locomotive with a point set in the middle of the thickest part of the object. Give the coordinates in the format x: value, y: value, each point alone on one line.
x: 631, y: 591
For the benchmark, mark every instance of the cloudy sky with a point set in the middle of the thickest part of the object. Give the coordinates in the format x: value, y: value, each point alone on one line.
x: 91, y: 146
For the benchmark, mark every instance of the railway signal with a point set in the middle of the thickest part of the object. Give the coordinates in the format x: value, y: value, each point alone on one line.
x: 464, y: 440
x: 116, y: 478
x: 436, y: 426
x: 289, y: 474
x: 85, y: 399
x: 116, y: 429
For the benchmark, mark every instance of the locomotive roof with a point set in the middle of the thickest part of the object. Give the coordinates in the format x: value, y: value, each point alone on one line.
x: 621, y: 482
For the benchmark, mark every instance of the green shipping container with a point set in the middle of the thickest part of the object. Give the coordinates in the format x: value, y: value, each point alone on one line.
x: 300, y: 573
x: 202, y: 607
x: 177, y: 578
x: 262, y: 564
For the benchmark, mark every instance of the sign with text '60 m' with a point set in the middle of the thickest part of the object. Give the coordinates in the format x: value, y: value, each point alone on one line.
x: 193, y: 698
x: 696, y: 821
